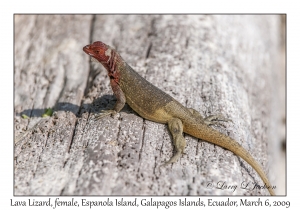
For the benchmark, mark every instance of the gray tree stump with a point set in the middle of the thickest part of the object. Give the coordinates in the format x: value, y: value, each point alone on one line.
x: 226, y: 65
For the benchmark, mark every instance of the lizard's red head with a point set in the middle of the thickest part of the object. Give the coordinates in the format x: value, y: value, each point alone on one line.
x: 99, y: 51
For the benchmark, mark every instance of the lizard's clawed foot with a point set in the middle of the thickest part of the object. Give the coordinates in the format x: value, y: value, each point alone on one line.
x: 105, y: 113
x: 215, y: 119
x: 173, y: 159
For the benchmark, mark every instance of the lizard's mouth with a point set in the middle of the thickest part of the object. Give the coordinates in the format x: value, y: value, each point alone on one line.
x: 87, y: 50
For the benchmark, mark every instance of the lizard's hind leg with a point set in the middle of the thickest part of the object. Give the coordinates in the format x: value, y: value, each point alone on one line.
x: 215, y: 119
x: 196, y: 114
x: 176, y: 129
x: 210, y: 120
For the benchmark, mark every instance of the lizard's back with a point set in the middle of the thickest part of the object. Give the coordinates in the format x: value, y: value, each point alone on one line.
x: 147, y: 100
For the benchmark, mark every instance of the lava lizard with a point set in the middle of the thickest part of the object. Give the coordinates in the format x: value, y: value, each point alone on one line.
x: 153, y: 104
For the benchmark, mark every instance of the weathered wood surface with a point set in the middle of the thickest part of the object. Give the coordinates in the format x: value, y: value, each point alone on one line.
x: 215, y: 64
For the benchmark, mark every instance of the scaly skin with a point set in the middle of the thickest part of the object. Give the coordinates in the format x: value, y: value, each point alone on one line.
x: 153, y: 104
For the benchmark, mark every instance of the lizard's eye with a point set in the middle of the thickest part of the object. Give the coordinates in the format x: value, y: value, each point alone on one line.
x: 97, y: 51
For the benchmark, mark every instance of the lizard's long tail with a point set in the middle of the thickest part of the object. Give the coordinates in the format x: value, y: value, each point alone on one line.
x: 211, y: 135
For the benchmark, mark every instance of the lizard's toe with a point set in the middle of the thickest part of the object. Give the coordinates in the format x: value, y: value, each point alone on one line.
x: 104, y: 113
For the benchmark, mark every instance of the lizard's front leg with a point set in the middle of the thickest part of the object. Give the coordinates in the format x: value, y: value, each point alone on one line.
x: 121, y: 100
x: 176, y: 129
